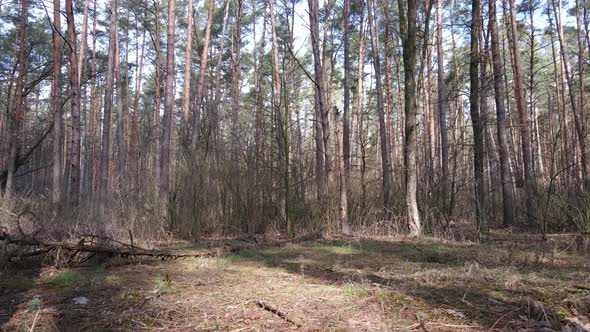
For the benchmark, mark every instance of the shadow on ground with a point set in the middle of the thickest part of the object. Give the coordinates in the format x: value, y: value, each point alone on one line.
x: 482, y: 285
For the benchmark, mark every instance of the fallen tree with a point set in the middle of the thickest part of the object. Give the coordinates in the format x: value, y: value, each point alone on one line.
x: 12, y: 250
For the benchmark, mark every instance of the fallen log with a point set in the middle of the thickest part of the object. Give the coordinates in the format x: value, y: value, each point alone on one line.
x: 124, y: 250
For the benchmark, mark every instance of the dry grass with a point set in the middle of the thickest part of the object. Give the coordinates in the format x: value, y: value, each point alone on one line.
x: 340, y: 285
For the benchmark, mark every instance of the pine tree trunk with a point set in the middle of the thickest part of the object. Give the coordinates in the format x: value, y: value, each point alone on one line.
x: 502, y: 125
x: 186, y: 87
x: 525, y: 130
x: 19, y: 98
x: 443, y: 107
x: 106, y: 127
x: 322, y: 130
x: 164, y: 190
x: 478, y: 128
x: 57, y: 153
x: 385, y: 156
x: 201, y: 84
x: 346, y: 86
x: 74, y: 166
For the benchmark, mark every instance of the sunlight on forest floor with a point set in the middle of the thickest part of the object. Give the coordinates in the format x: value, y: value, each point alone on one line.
x: 377, y: 284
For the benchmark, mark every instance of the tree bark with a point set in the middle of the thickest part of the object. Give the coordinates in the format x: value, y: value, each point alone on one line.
x: 408, y: 35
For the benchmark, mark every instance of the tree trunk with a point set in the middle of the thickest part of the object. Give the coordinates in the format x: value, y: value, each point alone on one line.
x: 235, y: 91
x: 201, y: 83
x: 443, y: 107
x: 134, y: 155
x: 158, y: 99
x: 525, y: 131
x: 57, y: 153
x: 19, y: 97
x: 281, y: 125
x: 74, y: 166
x: 322, y: 128
x: 478, y: 127
x: 581, y: 116
x: 164, y: 190
x: 186, y: 87
x: 408, y: 35
x: 499, y: 97
x: 359, y: 110
x: 90, y: 134
x: 343, y: 208
x: 106, y: 126
x: 346, y: 86
x: 385, y: 156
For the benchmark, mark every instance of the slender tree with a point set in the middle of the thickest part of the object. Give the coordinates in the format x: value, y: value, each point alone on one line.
x: 74, y: 167
x: 385, y: 156
x: 501, y: 121
x: 322, y: 125
x: 478, y: 126
x: 525, y: 131
x: 168, y: 107
x: 22, y: 52
x: 443, y: 105
x: 201, y: 82
x: 106, y: 124
x: 346, y: 86
x: 57, y: 153
x: 186, y: 87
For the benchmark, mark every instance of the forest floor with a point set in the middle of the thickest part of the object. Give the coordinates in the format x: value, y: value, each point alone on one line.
x: 377, y: 284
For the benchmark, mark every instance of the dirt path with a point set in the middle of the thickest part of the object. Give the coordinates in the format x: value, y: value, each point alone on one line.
x: 368, y: 285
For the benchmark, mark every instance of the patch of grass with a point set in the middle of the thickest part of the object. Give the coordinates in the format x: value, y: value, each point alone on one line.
x: 65, y: 278
x: 165, y: 286
x: 215, y: 325
x: 353, y: 290
x: 34, y: 304
x: 112, y: 280
x: 338, y: 250
x: 149, y: 322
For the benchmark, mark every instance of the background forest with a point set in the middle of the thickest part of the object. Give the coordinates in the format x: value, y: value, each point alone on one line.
x: 284, y: 116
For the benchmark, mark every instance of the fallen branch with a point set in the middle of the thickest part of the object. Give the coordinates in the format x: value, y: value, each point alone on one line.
x: 275, y: 311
